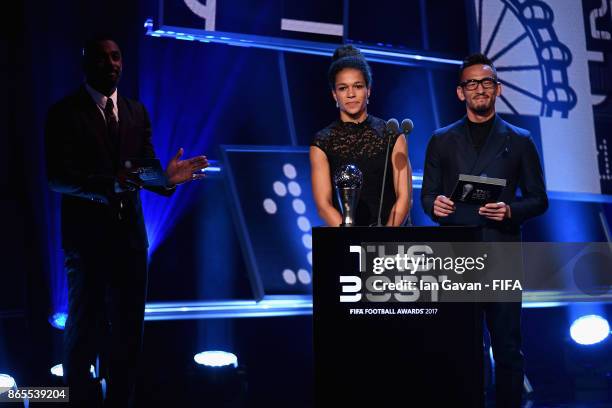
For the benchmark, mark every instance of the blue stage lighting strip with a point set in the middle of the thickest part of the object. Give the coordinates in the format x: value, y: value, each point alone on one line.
x: 267, y: 307
x: 376, y: 54
x: 274, y: 306
x: 556, y: 296
x: 584, y: 197
x: 417, y: 183
x: 540, y: 305
x: 212, y: 169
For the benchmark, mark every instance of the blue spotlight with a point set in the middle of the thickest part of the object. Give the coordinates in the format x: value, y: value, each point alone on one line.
x: 58, y: 320
x: 216, y: 359
x: 589, y: 329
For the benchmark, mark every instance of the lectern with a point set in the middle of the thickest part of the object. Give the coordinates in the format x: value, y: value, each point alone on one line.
x: 371, y: 353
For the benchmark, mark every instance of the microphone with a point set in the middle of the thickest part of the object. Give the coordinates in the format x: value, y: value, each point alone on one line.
x: 407, y: 126
x: 391, y: 129
x: 467, y: 189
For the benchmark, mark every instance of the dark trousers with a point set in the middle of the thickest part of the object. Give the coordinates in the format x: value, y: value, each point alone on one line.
x: 504, y: 325
x: 106, y: 299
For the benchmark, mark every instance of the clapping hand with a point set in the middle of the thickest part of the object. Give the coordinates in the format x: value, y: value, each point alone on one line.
x: 181, y: 171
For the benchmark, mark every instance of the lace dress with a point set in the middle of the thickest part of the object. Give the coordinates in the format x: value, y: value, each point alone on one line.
x: 363, y: 144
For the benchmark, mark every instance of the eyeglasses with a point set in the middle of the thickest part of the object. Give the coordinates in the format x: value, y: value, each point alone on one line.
x: 472, y: 84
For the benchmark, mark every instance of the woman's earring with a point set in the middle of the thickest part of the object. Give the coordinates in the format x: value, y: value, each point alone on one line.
x: 368, y: 101
x: 337, y: 106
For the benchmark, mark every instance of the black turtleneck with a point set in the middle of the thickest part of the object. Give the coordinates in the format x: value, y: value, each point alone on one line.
x: 479, y: 132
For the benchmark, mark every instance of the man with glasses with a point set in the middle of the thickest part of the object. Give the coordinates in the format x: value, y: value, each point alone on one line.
x: 483, y: 144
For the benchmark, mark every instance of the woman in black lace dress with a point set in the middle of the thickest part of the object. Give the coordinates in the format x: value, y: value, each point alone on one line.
x: 358, y: 138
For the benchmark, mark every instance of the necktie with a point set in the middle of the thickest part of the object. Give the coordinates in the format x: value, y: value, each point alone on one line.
x: 112, y: 126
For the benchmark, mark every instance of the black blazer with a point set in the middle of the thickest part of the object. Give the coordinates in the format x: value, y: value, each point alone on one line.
x: 81, y: 165
x: 508, y: 153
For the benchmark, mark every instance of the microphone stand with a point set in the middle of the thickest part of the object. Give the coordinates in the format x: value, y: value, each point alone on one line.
x: 382, y: 190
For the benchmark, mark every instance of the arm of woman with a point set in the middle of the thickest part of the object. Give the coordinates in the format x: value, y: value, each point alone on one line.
x: 402, y: 182
x: 322, y: 188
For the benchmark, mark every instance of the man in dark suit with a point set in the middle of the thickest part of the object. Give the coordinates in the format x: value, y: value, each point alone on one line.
x: 88, y: 135
x: 483, y: 144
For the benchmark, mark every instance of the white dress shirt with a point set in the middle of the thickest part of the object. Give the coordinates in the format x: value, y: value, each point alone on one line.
x: 101, y: 99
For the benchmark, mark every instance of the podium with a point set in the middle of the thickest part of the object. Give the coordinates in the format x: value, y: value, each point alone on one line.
x: 371, y: 354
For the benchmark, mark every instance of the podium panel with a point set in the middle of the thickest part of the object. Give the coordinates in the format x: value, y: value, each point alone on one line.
x: 390, y: 353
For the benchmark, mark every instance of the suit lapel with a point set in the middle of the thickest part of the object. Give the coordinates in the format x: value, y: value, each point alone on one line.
x: 494, y: 143
x: 98, y: 125
x: 125, y: 118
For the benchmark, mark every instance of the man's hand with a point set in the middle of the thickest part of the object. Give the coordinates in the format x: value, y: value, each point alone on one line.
x: 181, y: 171
x: 495, y: 211
x: 127, y: 181
x: 443, y: 206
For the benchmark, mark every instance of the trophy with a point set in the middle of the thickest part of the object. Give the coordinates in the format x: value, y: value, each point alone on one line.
x: 348, y: 180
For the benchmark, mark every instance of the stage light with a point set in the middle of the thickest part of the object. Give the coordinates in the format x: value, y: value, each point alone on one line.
x: 58, y: 320
x: 58, y: 370
x: 216, y: 359
x: 215, y: 377
x: 588, y: 358
x: 6, y: 381
x: 590, y: 329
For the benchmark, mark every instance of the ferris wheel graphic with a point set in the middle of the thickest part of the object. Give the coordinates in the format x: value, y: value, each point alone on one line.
x: 518, y: 36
